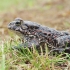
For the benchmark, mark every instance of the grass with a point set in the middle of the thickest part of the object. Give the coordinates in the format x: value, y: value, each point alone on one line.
x: 16, y: 60
x: 3, y: 58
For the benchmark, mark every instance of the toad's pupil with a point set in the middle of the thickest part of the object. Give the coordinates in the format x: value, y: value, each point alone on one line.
x: 18, y: 23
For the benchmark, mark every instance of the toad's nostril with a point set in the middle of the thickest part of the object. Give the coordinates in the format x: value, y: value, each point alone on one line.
x: 10, y: 23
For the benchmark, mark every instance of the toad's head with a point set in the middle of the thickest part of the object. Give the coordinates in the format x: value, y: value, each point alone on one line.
x: 21, y: 27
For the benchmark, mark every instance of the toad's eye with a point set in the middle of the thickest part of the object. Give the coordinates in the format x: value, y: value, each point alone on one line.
x: 18, y: 23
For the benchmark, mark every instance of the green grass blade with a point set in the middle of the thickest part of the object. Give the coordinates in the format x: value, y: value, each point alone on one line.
x: 3, y: 58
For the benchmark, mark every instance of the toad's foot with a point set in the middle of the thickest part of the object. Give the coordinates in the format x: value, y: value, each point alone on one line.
x: 60, y: 50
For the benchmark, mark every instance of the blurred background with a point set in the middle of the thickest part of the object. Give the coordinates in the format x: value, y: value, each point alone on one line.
x: 52, y: 13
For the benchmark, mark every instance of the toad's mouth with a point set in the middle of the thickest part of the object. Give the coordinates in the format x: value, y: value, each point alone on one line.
x: 22, y: 34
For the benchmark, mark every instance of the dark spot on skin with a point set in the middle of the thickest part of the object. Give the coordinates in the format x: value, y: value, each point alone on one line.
x: 49, y: 34
x: 45, y: 33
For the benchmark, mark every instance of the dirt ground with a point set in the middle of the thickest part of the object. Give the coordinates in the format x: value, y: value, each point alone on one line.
x: 55, y: 14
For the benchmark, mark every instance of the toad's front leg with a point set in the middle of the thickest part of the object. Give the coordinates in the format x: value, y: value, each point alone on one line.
x: 29, y: 42
x: 31, y: 45
x: 20, y: 47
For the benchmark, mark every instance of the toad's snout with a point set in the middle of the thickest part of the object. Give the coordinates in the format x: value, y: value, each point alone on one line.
x: 11, y: 25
